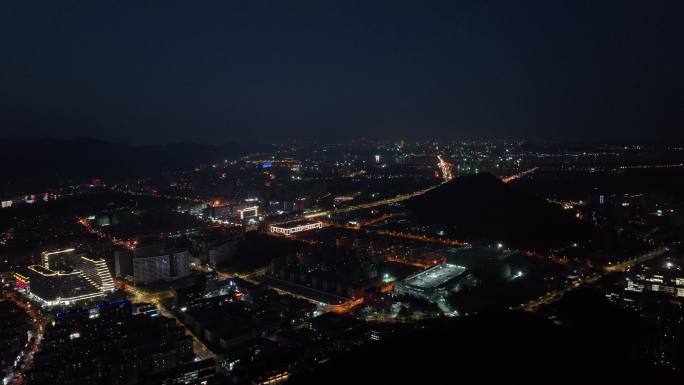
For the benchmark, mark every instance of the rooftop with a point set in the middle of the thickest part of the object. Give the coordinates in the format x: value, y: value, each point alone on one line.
x: 435, y: 276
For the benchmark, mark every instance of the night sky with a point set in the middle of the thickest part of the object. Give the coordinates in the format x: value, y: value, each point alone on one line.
x: 159, y: 72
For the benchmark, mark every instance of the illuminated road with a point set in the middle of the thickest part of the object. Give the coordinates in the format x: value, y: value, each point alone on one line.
x: 519, y: 175
x: 445, y: 167
x: 128, y: 244
x: 387, y: 201
x: 623, y: 266
x: 556, y: 295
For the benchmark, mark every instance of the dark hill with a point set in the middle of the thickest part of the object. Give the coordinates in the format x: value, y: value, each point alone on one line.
x: 481, y: 206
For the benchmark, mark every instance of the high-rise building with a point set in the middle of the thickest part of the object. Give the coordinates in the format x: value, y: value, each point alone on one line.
x: 154, y: 264
x: 123, y: 263
x: 151, y: 269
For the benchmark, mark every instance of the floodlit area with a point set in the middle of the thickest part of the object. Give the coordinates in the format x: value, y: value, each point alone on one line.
x: 434, y: 283
x: 435, y: 276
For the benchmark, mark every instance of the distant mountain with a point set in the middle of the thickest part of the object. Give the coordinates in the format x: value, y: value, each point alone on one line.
x: 482, y: 207
x: 33, y: 163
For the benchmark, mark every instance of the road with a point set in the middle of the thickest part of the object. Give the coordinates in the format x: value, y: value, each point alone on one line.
x: 623, y: 266
x: 445, y: 167
x: 556, y: 295
x: 519, y: 175
x: 39, y: 323
x: 369, y: 205
x: 128, y: 244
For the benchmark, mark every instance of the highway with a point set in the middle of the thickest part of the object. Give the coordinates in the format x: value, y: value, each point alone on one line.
x: 368, y: 205
x: 444, y: 167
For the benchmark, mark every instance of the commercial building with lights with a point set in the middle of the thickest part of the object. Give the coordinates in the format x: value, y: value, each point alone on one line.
x: 295, y: 227
x: 664, y: 280
x: 64, y: 278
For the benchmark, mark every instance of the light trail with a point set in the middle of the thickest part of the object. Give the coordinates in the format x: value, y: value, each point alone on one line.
x: 445, y: 167
x: 519, y: 175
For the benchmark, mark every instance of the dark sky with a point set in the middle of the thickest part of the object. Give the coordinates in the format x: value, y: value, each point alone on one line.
x: 148, y: 72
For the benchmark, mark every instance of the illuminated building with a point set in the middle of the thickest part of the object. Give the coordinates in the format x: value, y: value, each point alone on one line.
x: 219, y: 211
x: 96, y: 272
x: 434, y: 282
x: 660, y: 280
x: 197, y: 372
x: 248, y: 212
x: 52, y: 288
x: 295, y: 227
x: 144, y: 308
x: 58, y: 259
x: 65, y: 277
